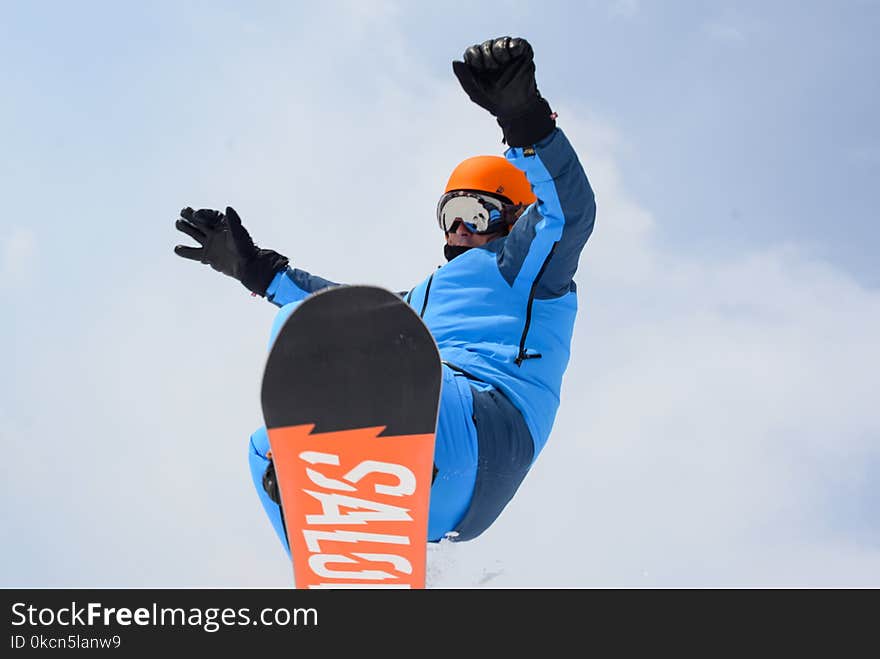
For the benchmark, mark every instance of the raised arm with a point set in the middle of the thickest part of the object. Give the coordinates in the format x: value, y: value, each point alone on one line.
x: 294, y: 285
x: 227, y: 247
x: 543, y: 247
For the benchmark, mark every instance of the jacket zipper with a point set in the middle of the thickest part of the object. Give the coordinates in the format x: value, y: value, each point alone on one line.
x: 427, y: 292
x: 522, y: 356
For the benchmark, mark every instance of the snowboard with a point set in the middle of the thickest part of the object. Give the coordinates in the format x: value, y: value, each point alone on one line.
x: 350, y: 396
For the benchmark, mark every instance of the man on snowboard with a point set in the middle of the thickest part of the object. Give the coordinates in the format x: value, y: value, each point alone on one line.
x: 501, y: 310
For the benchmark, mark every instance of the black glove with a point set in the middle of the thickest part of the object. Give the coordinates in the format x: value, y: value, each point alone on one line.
x: 499, y: 75
x: 227, y: 247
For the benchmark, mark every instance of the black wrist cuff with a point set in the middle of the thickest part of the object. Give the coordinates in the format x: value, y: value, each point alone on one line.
x: 261, y: 270
x: 530, y: 126
x: 270, y: 483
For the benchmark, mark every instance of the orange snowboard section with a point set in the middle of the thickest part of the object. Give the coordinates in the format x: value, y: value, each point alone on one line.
x: 355, y: 505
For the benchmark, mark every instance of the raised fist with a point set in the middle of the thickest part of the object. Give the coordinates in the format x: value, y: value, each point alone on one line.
x: 499, y: 76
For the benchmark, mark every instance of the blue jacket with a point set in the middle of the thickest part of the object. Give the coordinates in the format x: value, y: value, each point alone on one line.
x: 504, y: 313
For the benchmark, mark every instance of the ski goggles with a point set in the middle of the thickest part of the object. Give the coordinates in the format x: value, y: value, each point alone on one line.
x: 478, y: 212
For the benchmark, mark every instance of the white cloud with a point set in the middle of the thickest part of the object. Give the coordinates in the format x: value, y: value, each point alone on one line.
x: 715, y: 428
x: 717, y: 416
x: 157, y: 389
x: 717, y: 422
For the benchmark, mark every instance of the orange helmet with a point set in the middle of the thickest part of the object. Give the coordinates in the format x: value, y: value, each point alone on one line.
x: 493, y: 175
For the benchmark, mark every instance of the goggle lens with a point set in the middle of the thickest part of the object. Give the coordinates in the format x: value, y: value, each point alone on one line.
x: 479, y: 213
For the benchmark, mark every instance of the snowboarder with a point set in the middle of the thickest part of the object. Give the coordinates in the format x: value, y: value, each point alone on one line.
x: 502, y: 309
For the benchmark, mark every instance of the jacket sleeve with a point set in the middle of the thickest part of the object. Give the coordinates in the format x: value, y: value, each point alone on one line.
x: 294, y: 285
x: 544, y: 245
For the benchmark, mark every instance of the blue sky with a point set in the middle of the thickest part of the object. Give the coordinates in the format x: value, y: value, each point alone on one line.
x: 744, y: 123
x: 717, y: 423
